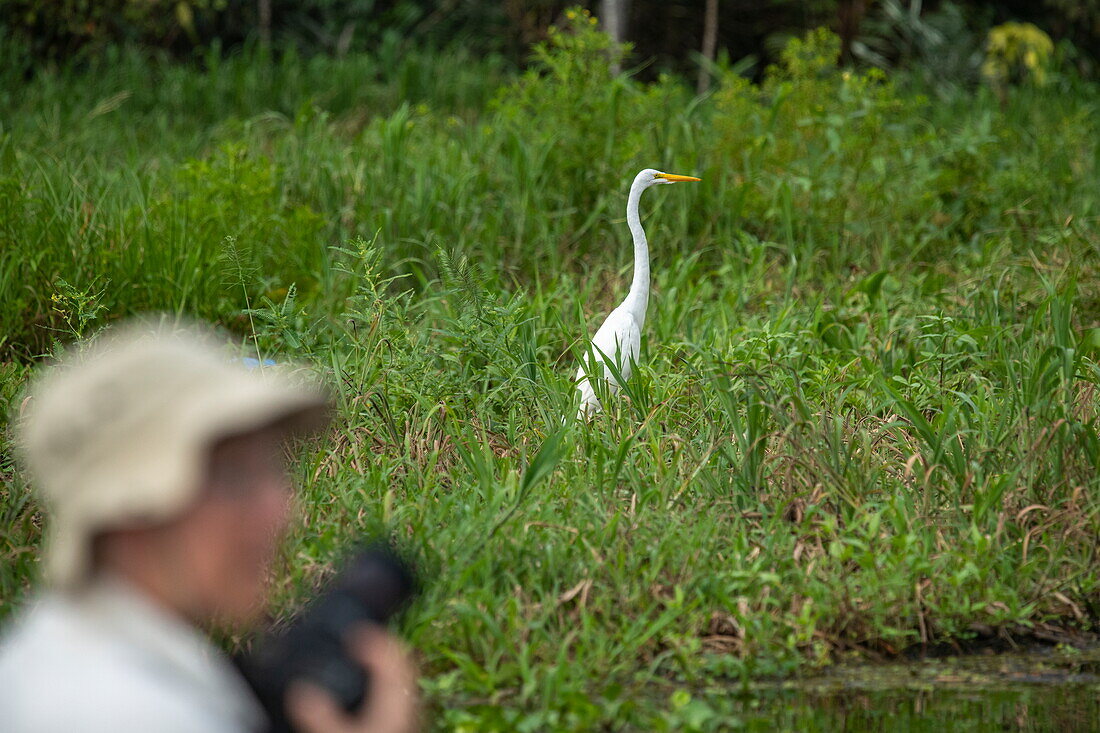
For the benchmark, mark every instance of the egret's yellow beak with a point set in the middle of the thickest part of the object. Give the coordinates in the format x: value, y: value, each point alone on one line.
x: 674, y: 178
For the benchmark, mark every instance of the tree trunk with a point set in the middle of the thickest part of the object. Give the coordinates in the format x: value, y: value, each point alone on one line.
x: 849, y: 16
x: 614, y: 15
x: 710, y: 43
x: 264, y: 11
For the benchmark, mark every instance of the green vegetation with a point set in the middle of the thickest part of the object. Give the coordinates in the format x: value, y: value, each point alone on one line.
x: 866, y: 417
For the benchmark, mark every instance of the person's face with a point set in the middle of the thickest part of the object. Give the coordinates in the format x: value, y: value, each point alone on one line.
x: 222, y: 549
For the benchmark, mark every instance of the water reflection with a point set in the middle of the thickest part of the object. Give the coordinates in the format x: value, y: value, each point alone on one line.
x: 1040, y: 690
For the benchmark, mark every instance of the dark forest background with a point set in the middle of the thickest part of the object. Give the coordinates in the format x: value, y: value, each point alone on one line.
x: 665, y: 34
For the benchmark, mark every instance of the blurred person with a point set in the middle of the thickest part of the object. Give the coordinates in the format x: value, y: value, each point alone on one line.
x: 161, y: 466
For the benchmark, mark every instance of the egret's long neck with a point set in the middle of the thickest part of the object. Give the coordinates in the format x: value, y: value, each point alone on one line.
x: 638, y: 298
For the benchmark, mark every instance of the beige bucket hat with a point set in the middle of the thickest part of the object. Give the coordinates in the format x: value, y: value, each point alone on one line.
x: 118, y: 433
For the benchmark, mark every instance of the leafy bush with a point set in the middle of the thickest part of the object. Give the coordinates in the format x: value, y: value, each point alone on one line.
x: 586, y: 122
x: 1017, y: 53
x: 940, y: 47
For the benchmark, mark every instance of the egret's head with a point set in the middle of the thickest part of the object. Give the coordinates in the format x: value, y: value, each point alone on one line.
x: 650, y: 177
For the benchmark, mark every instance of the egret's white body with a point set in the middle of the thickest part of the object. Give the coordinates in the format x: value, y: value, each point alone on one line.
x: 619, y: 339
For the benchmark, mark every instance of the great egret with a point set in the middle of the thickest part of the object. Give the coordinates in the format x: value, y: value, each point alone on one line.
x: 620, y: 336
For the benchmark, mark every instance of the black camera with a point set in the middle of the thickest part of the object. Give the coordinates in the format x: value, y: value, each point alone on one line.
x: 372, y: 587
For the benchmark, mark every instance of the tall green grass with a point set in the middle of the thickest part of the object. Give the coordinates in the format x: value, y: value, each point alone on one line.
x: 865, y: 419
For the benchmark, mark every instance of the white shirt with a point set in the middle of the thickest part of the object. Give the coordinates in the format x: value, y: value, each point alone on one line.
x: 108, y: 660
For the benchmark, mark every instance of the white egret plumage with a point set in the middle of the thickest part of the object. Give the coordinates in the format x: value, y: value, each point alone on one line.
x: 619, y: 339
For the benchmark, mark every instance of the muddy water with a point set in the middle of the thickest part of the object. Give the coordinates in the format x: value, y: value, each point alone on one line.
x: 1038, y: 690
